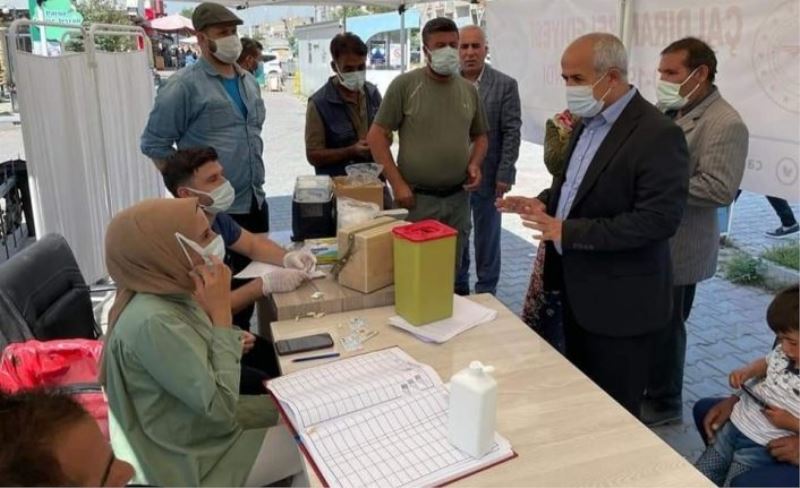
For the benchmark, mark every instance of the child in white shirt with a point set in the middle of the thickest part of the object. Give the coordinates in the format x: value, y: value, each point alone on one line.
x: 740, y: 443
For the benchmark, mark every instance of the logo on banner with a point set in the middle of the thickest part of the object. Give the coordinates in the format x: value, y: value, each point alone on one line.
x: 776, y: 56
x: 787, y: 171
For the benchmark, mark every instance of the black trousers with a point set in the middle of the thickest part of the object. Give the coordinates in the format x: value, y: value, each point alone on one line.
x: 781, y: 207
x: 257, y: 222
x: 783, y: 210
x: 665, y: 386
x: 258, y: 365
x: 618, y: 365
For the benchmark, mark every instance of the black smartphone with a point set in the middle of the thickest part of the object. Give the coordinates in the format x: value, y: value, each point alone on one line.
x: 303, y: 344
x: 749, y: 391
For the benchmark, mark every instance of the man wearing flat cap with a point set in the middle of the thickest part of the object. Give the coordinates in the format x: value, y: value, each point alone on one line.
x: 215, y: 103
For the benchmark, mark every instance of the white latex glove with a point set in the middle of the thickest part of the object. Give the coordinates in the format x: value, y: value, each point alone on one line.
x: 302, y: 260
x: 282, y: 280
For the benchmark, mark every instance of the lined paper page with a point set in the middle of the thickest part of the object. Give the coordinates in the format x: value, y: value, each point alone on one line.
x: 399, y: 443
x: 335, y: 389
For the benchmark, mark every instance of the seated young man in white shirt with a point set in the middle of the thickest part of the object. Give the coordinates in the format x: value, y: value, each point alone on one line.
x: 197, y: 173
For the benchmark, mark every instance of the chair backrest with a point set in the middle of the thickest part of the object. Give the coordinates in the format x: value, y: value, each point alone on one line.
x: 44, y: 296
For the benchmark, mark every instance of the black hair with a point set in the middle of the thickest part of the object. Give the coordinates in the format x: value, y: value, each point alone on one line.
x: 698, y: 53
x: 180, y: 167
x: 250, y: 47
x: 347, y: 43
x: 782, y: 313
x: 439, y: 24
x: 31, y: 425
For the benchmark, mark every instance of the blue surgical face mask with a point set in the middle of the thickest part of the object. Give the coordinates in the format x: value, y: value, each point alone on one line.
x: 669, y: 96
x: 214, y: 248
x: 581, y: 101
x: 352, y: 80
x: 222, y: 198
x: 444, y: 61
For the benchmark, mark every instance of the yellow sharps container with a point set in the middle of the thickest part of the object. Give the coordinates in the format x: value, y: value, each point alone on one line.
x: 424, y: 271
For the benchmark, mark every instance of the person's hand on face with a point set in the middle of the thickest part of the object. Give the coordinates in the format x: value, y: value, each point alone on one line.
x: 213, y: 291
x: 212, y: 281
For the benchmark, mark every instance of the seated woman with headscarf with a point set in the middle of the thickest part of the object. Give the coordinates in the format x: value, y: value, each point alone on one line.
x: 171, y: 362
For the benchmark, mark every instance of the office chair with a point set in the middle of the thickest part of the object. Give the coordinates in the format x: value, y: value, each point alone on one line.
x: 43, y: 295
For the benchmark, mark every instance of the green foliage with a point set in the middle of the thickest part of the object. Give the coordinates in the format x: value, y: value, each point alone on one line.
x: 744, y: 269
x: 787, y: 255
x: 353, y: 11
x: 187, y: 12
x: 104, y: 12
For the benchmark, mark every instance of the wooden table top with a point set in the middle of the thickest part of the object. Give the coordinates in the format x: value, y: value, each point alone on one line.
x: 566, y: 430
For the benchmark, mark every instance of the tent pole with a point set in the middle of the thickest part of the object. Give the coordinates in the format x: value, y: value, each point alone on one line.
x: 625, y: 12
x: 403, y: 38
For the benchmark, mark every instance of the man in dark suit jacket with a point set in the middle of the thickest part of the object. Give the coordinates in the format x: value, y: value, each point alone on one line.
x: 607, y: 221
x: 500, y: 97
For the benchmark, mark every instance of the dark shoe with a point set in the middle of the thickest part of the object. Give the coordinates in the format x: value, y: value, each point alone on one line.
x: 783, y: 232
x: 653, y: 415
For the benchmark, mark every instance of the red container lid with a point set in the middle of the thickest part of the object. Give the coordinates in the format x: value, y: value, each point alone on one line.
x: 423, y: 231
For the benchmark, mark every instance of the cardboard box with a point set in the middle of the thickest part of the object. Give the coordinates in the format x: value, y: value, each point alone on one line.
x: 368, y: 248
x: 331, y: 297
x: 372, y: 193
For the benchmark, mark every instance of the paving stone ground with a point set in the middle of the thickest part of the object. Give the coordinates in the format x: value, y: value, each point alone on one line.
x: 727, y: 326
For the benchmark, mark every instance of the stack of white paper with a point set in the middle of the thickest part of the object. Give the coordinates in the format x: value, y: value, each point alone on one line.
x: 257, y: 269
x: 466, y: 315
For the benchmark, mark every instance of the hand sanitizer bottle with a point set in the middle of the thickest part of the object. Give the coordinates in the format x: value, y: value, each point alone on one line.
x: 473, y: 406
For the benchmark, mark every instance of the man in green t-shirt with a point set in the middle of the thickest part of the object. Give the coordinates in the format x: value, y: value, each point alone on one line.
x: 443, y: 135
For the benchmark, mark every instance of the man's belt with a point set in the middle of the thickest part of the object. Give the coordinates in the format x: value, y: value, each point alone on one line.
x: 439, y: 192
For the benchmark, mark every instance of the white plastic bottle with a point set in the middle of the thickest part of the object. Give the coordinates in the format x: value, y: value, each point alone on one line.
x: 473, y: 409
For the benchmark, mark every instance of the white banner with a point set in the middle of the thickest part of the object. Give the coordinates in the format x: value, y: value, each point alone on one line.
x: 526, y: 40
x: 757, y: 43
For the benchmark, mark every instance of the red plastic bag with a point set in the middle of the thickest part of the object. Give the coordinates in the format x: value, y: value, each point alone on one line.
x: 71, y: 364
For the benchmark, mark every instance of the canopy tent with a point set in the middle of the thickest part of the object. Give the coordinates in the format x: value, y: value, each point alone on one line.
x: 172, y: 23
x: 375, y: 3
x: 400, y: 5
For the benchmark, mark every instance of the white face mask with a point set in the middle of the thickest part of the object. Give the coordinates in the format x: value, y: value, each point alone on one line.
x: 581, y: 101
x: 222, y: 198
x: 354, y: 80
x: 214, y: 248
x: 668, y: 94
x: 226, y: 49
x: 444, y: 61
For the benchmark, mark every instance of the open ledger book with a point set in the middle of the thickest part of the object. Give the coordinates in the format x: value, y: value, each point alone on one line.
x: 378, y: 419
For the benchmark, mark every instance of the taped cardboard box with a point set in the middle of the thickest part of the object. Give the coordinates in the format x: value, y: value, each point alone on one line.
x: 372, y: 192
x: 367, y: 256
